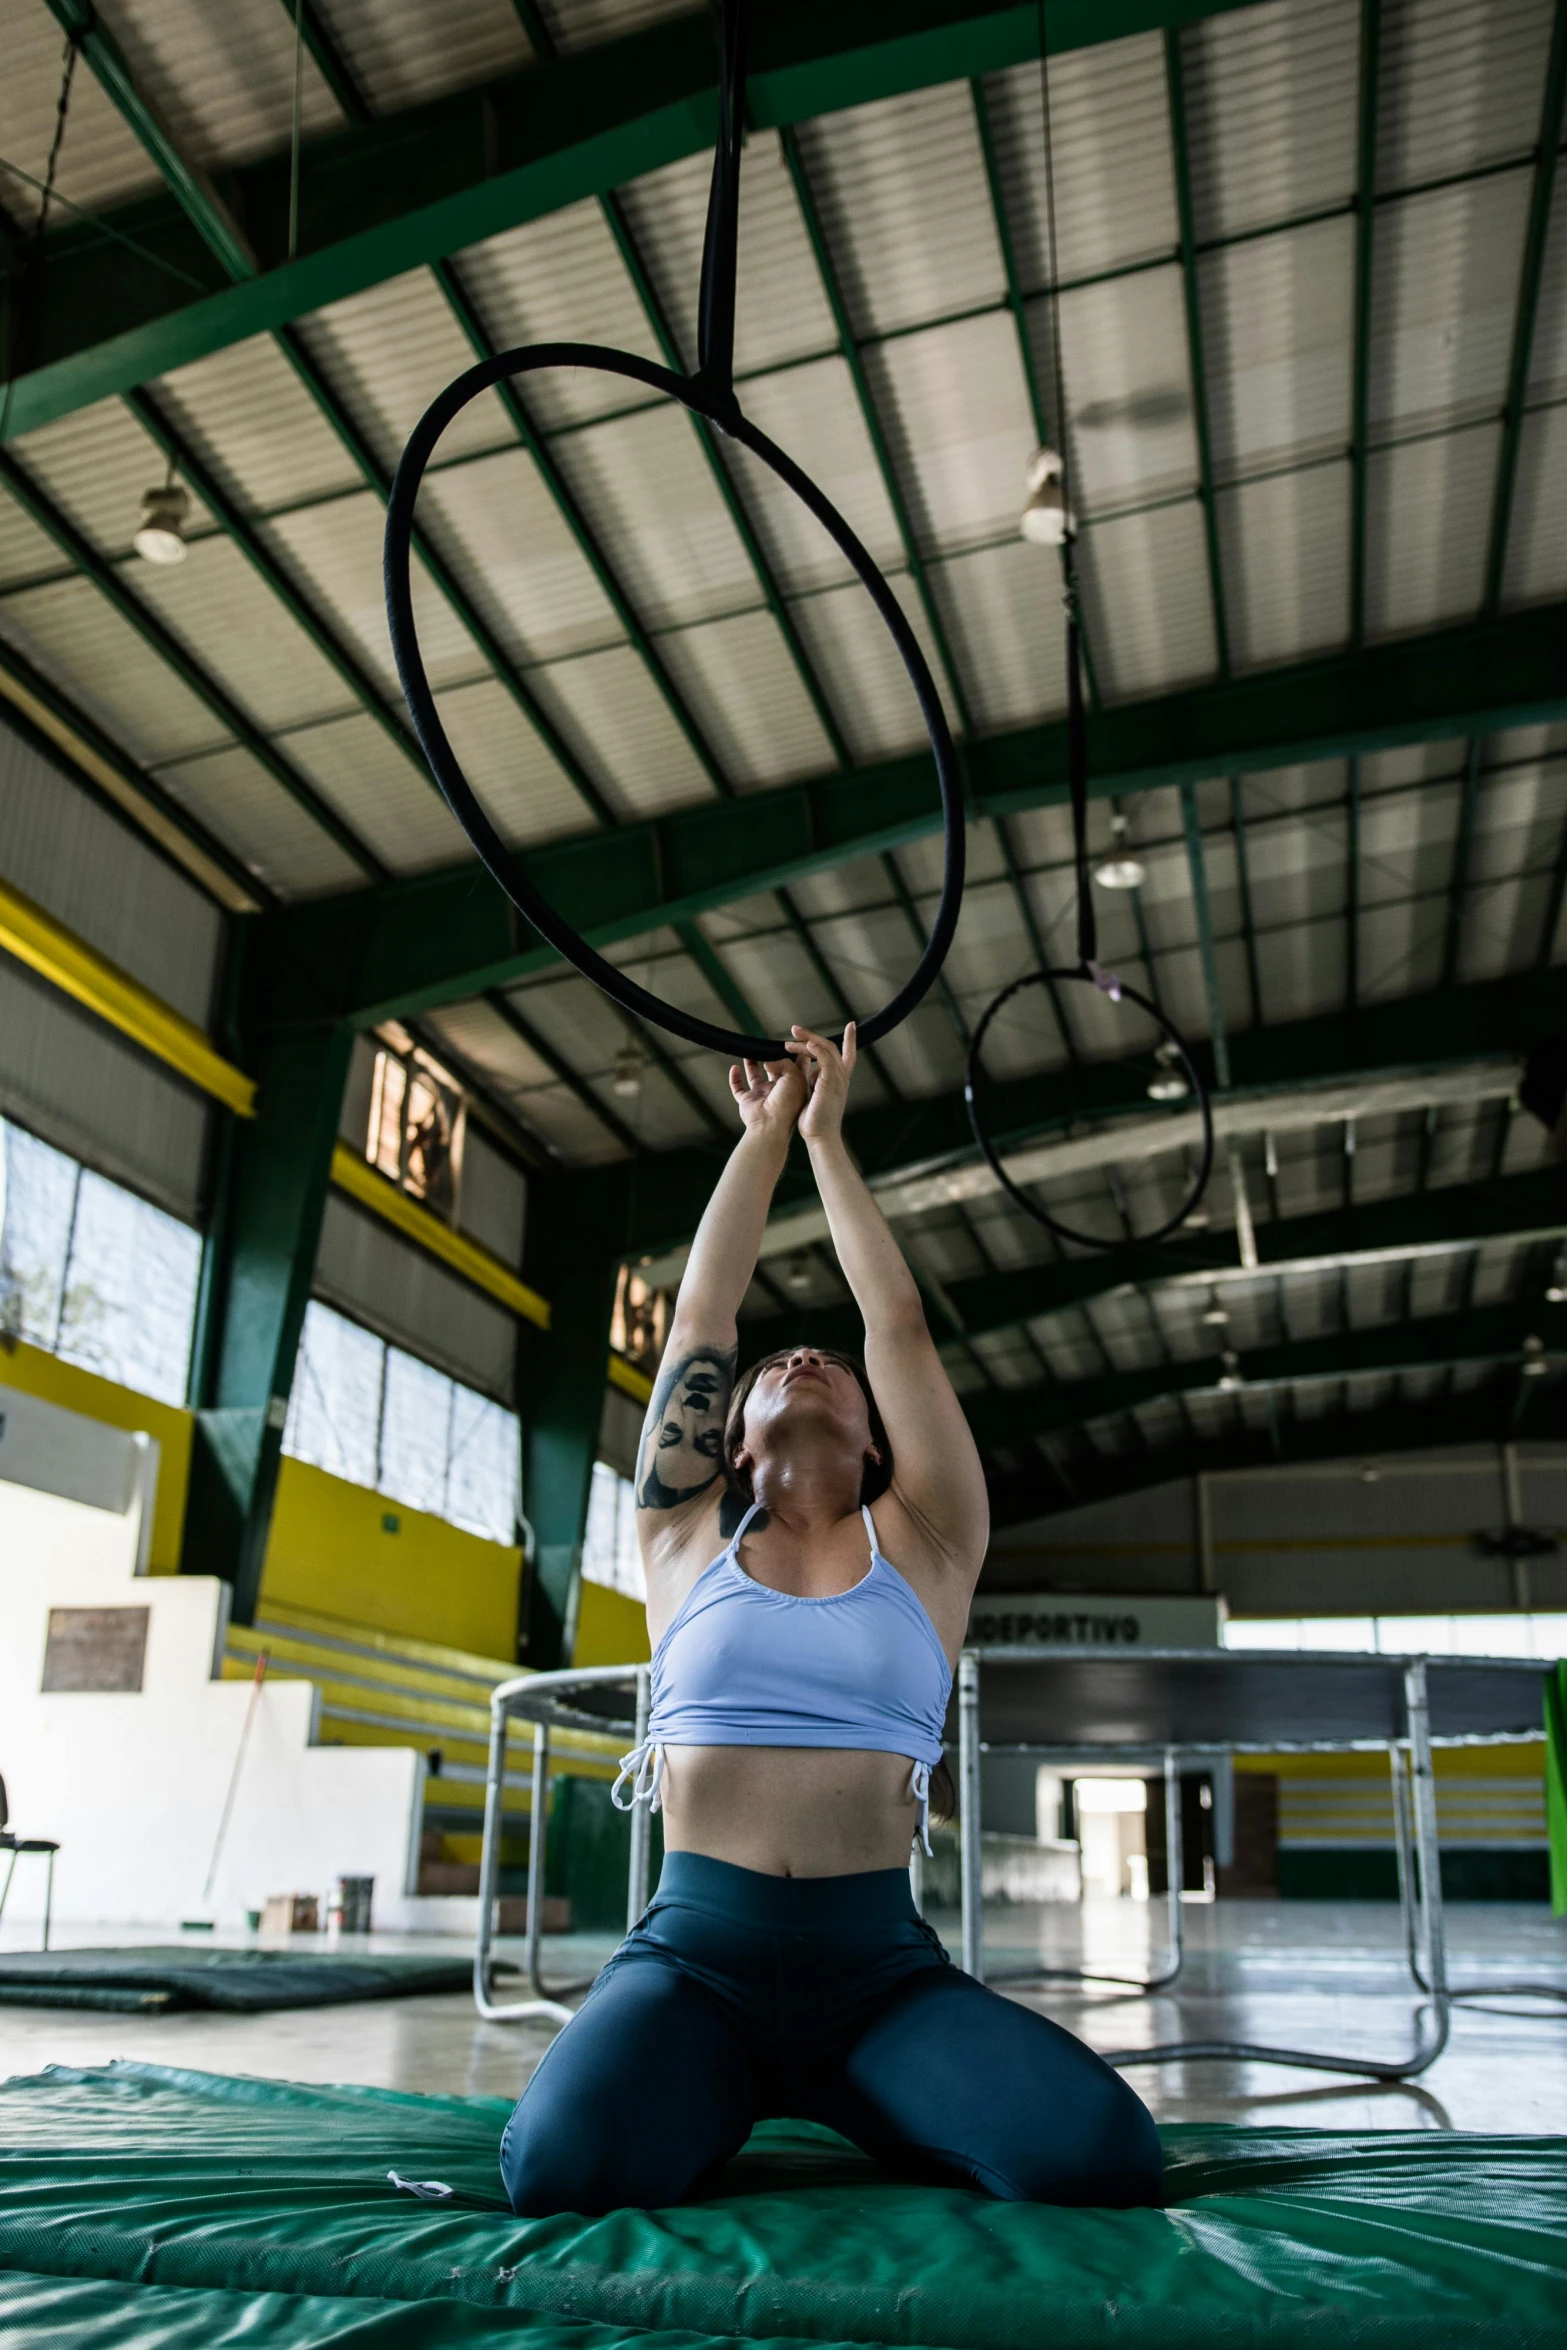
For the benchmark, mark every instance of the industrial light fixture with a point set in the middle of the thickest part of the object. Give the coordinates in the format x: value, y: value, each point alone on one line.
x: 1370, y: 1473
x: 1168, y: 1082
x: 1231, y: 1378
x: 1534, y: 1364
x: 626, y: 1082
x: 1556, y: 1295
x: 1045, y: 520
x: 1119, y: 870
x: 1216, y: 1318
x: 798, y: 1274
x: 161, y: 538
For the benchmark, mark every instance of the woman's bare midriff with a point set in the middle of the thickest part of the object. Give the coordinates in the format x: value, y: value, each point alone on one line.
x: 789, y: 1811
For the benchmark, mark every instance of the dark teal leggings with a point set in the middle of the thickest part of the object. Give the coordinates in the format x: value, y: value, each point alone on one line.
x: 741, y: 1997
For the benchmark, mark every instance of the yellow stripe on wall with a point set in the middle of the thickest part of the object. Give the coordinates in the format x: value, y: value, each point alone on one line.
x: 359, y: 1179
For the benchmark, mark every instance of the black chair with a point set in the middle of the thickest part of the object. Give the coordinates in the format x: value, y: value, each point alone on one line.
x: 15, y: 1846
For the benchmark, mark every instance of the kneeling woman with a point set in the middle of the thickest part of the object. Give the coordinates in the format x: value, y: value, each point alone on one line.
x: 812, y: 1537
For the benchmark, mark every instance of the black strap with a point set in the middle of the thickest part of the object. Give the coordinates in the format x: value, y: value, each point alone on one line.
x: 1077, y: 777
x: 720, y: 246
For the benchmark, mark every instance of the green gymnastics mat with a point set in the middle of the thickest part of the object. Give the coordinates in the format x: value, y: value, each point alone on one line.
x: 156, y: 2207
x: 151, y: 1980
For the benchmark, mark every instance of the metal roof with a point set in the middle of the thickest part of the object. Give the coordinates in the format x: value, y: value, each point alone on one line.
x: 1311, y: 295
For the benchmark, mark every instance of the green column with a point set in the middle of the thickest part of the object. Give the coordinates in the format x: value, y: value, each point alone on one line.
x: 272, y: 1176
x: 562, y: 1380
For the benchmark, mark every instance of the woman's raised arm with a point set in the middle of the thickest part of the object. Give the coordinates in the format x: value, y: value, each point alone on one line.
x: 682, y: 1451
x: 936, y: 1468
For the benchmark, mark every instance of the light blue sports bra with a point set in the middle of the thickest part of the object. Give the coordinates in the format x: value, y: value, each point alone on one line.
x: 744, y: 1665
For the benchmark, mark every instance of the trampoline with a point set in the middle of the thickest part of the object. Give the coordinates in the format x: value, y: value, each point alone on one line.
x: 140, y: 2204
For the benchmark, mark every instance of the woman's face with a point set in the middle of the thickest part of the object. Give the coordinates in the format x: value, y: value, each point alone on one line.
x: 807, y: 1384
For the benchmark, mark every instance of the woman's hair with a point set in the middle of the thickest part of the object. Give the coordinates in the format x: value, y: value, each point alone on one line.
x: 878, y: 1474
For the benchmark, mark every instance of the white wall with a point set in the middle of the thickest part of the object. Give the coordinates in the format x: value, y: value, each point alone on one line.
x: 132, y: 1783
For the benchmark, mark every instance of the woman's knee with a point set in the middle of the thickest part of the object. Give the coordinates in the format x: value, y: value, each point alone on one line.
x: 552, y: 2163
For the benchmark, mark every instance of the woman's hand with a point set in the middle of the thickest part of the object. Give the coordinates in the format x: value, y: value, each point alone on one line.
x: 827, y: 1071
x: 769, y: 1095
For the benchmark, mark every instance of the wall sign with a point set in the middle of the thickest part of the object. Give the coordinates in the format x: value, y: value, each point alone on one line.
x: 95, y: 1648
x: 1056, y: 1619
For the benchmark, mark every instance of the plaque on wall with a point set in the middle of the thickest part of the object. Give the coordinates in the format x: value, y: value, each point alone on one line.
x: 95, y: 1648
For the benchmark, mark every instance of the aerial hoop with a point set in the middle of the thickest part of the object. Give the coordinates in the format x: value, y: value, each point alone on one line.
x: 708, y: 394
x: 1086, y: 971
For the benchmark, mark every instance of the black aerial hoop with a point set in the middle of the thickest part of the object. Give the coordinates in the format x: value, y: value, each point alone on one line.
x: 1086, y: 971
x: 709, y: 394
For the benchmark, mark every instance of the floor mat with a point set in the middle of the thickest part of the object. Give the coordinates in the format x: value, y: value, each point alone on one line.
x: 219, y: 2194
x: 152, y: 1980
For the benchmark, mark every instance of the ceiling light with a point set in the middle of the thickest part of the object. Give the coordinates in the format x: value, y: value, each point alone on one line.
x: 627, y: 1080
x: 1168, y: 1083
x: 1370, y: 1473
x: 1119, y: 871
x: 1044, y: 520
x: 161, y: 538
x: 798, y: 1275
x: 1216, y: 1318
x: 1534, y: 1364
x: 1556, y: 1295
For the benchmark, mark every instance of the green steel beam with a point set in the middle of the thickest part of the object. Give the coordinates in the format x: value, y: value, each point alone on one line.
x: 1513, y: 1208
x: 1499, y: 1018
x: 1530, y: 286
x: 1175, y: 83
x: 435, y: 178
x: 265, y: 1233
x: 561, y: 1402
x: 330, y: 63
x: 1463, y: 845
x: 466, y: 312
x: 1015, y: 303
x: 190, y: 187
x: 439, y: 937
x: 557, y: 1064
x: 886, y: 463
x: 1197, y: 867
x: 1243, y: 885
x: 719, y: 977
x: 106, y: 578
x: 1479, y: 1416
x: 1360, y: 367
x: 1352, y: 889
x: 1486, y: 1335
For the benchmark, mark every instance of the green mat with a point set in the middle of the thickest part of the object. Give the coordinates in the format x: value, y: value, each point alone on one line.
x: 151, y: 1980
x: 170, y: 2208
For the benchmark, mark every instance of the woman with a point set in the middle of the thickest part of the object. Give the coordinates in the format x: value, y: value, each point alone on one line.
x: 800, y: 1684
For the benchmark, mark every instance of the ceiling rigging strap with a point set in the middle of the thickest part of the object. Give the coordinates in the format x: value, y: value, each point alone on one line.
x: 1077, y: 776
x: 720, y: 245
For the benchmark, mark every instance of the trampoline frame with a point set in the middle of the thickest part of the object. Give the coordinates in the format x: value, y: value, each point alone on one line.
x: 545, y: 1699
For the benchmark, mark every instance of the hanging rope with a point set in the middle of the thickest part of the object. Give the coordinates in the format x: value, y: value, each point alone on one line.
x: 1087, y: 967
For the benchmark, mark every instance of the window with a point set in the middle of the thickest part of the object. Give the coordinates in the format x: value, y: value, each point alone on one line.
x: 415, y: 1135
x: 610, y: 1552
x: 376, y: 1416
x: 1544, y: 1636
x: 93, y: 1274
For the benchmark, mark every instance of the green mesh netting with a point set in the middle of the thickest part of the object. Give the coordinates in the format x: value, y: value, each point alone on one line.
x: 164, y: 2207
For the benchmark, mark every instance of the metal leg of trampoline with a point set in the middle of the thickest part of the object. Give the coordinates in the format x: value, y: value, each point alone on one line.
x: 48, y: 1894
x: 1426, y: 2049
x: 970, y: 1875
x: 641, y: 1817
x: 541, y: 2005
x: 5, y: 1889
x: 1175, y: 1871
x: 1456, y: 1992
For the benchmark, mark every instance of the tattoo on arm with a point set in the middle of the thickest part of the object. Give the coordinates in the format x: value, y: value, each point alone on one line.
x: 683, y: 1436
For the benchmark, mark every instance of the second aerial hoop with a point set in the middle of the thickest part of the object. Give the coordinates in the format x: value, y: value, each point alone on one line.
x: 1173, y: 1047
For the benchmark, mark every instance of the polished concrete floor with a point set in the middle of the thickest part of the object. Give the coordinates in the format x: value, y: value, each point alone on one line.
x: 1323, y: 1976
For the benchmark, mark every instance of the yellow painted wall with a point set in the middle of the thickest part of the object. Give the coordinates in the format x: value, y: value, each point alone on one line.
x: 1523, y: 1760
x: 611, y: 1629
x: 75, y: 1390
x: 333, y: 1550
